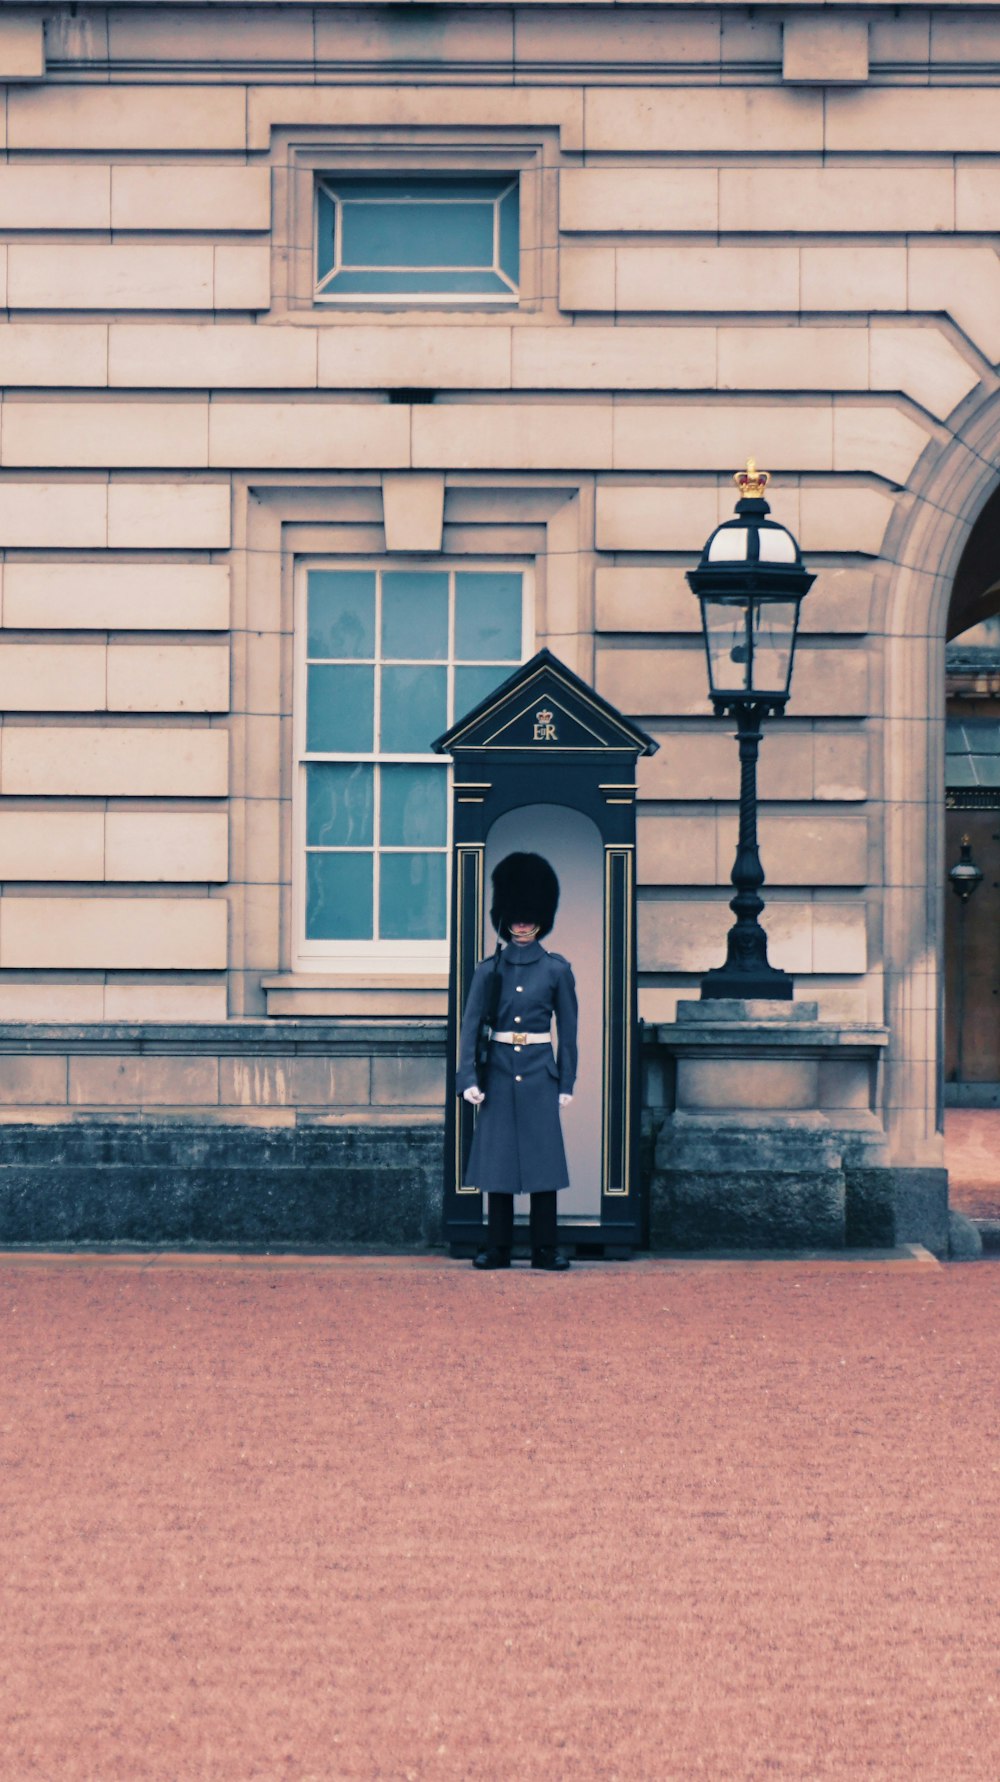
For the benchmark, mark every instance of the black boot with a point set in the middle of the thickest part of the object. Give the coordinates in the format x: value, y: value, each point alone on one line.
x: 550, y: 1259
x: 492, y: 1257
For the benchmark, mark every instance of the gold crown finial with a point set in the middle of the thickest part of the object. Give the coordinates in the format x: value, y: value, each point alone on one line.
x: 751, y: 482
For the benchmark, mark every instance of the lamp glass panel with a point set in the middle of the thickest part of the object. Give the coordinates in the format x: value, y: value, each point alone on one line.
x: 725, y: 622
x: 774, y: 625
x: 729, y: 545
x: 775, y: 545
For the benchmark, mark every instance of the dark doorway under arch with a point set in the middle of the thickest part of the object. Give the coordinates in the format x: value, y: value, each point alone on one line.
x: 972, y: 799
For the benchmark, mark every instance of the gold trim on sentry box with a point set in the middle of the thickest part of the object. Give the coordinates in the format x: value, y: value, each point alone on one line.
x: 622, y: 851
x: 474, y: 851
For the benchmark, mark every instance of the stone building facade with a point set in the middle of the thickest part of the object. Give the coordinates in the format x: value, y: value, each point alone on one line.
x: 233, y: 426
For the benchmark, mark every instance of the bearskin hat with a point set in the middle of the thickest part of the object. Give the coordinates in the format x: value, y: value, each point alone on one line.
x: 525, y: 889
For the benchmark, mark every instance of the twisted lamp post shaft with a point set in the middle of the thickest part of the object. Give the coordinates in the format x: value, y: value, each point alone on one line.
x: 748, y: 874
x: 747, y: 973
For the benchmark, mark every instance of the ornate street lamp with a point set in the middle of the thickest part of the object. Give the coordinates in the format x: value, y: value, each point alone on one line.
x: 750, y: 582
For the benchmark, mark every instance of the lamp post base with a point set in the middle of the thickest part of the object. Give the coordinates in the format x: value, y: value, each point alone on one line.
x: 764, y: 984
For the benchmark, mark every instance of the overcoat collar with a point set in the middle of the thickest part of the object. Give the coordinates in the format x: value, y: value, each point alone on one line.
x: 523, y: 955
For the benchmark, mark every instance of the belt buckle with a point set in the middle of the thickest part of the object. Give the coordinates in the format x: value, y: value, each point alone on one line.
x: 520, y: 1039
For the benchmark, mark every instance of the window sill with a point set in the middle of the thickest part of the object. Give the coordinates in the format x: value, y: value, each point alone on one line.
x: 401, y: 300
x: 340, y: 993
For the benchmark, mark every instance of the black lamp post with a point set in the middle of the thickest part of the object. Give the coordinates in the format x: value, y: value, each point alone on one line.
x: 965, y: 879
x: 750, y: 582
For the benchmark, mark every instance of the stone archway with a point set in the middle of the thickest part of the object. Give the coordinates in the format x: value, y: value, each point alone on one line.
x: 924, y: 546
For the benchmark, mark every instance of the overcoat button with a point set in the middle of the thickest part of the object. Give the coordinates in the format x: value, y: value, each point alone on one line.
x: 520, y: 987
x: 517, y: 1079
x: 517, y: 1017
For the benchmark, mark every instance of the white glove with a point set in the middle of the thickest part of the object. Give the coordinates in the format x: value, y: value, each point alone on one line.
x: 473, y: 1094
x: 564, y: 1101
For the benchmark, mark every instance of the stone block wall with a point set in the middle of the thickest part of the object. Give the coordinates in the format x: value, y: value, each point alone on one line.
x: 744, y: 232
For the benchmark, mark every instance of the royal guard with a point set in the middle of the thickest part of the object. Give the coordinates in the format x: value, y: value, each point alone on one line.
x: 508, y: 1069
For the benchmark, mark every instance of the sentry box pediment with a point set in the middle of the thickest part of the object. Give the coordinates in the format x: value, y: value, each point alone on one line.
x: 544, y: 708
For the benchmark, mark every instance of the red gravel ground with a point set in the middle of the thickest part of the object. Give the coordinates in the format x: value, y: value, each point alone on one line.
x: 972, y: 1153
x: 377, y: 1518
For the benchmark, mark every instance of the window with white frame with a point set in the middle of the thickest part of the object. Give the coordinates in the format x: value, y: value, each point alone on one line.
x: 417, y: 238
x: 388, y: 658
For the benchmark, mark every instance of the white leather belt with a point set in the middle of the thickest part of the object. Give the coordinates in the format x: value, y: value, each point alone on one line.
x: 523, y: 1039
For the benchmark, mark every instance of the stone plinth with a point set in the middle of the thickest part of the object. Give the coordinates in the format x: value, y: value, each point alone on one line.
x: 769, y: 1136
x: 749, y: 1184
x: 246, y: 1134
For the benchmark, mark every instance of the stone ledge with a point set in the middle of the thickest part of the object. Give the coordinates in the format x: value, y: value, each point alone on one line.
x: 806, y: 1038
x: 914, y: 1256
x: 303, y: 995
x: 287, y: 1036
x: 232, y: 1115
x: 710, y: 1011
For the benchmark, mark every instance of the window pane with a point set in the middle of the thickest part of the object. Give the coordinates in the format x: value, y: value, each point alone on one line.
x: 415, y: 615
x: 473, y: 684
x: 447, y: 233
x: 339, y: 804
x: 325, y: 218
x: 414, y: 806
x: 452, y: 283
x: 510, y: 231
x: 412, y: 897
x: 339, y: 898
x: 488, y: 616
x: 414, y: 709
x: 340, y: 716
x: 358, y: 186
x: 341, y: 613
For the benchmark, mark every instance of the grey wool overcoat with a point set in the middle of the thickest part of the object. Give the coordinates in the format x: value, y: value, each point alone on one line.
x: 517, y: 1147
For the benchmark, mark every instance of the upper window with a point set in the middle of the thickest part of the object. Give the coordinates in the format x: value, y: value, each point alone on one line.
x: 392, y: 237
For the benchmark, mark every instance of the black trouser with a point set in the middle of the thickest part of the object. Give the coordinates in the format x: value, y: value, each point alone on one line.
x: 500, y: 1221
